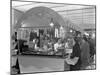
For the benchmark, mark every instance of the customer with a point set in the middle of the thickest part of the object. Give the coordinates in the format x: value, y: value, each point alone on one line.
x: 76, y: 53
x: 36, y: 46
x: 57, y: 45
x: 85, y: 53
x: 92, y: 47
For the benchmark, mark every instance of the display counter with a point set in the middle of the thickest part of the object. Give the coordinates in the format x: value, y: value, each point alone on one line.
x: 41, y: 63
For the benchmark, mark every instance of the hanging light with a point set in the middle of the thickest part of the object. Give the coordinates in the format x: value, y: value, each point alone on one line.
x: 93, y: 35
x: 51, y: 22
x: 71, y: 30
x: 61, y: 27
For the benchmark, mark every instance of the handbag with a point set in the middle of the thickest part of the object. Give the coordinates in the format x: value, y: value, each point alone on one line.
x: 72, y: 61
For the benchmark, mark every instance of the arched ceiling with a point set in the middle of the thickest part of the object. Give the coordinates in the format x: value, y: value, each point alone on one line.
x: 40, y: 17
x: 80, y: 15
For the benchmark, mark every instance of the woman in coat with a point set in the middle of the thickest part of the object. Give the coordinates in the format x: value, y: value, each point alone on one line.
x: 76, y: 53
x: 85, y: 53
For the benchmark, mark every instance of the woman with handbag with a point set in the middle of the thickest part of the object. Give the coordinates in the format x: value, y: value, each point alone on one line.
x: 76, y: 56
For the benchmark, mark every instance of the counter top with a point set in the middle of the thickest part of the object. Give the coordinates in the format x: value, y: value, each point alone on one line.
x: 40, y: 55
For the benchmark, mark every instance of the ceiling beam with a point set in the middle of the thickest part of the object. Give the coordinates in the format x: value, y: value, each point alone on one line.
x: 54, y: 3
x: 17, y: 10
x: 76, y: 13
x: 57, y: 6
x: 75, y: 9
x: 39, y: 3
x: 82, y: 18
x: 22, y: 5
